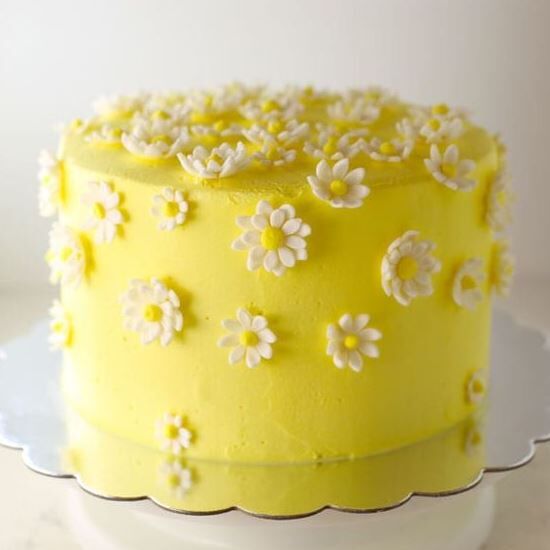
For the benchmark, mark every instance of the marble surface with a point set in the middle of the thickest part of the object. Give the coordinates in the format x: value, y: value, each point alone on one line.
x: 506, y: 513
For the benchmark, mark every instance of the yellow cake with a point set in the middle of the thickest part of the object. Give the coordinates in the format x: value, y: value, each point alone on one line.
x: 275, y: 276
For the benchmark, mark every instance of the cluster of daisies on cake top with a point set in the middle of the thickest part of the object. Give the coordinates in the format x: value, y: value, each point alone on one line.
x: 343, y: 246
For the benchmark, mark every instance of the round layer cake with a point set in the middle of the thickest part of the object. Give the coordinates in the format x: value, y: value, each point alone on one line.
x: 275, y: 276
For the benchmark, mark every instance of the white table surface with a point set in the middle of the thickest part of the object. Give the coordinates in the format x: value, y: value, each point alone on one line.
x: 38, y: 512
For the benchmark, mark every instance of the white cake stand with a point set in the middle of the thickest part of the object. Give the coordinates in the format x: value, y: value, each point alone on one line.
x: 33, y: 418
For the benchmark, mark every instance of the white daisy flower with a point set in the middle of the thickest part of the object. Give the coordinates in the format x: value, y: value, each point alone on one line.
x: 437, y: 129
x: 393, y: 150
x: 273, y: 154
x: 178, y: 478
x: 498, y: 213
x: 502, y: 268
x: 172, y: 114
x: 104, y: 214
x: 170, y: 207
x: 449, y: 170
x: 152, y: 310
x: 50, y: 177
x: 220, y: 162
x: 467, y: 291
x: 65, y: 256
x: 219, y: 129
x: 340, y: 186
x: 172, y: 434
x: 476, y: 387
x: 408, y: 129
x: 156, y: 139
x: 473, y: 438
x: 379, y: 95
x: 284, y: 133
x: 250, y: 338
x: 60, y: 327
x: 274, y: 237
x: 271, y: 107
x: 106, y: 134
x: 359, y: 110
x: 407, y: 268
x: 329, y: 145
x: 350, y: 340
x: 119, y: 105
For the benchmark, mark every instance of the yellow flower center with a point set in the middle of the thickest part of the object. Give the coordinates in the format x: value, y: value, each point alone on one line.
x: 502, y: 198
x: 215, y: 157
x: 220, y: 125
x: 161, y: 138
x: 448, y: 170
x: 272, y: 238
x: 331, y: 146
x: 159, y: 114
x: 65, y: 253
x: 173, y: 480
x: 170, y: 209
x: 351, y: 341
x: 57, y: 326
x: 275, y: 126
x: 208, y: 100
x: 468, y: 283
x: 272, y: 153
x: 478, y: 386
x: 387, y: 148
x: 152, y: 313
x: 440, y: 109
x: 248, y: 338
x: 407, y: 268
x: 269, y: 106
x: 338, y: 187
x: 434, y: 124
x: 171, y: 431
x: 98, y: 211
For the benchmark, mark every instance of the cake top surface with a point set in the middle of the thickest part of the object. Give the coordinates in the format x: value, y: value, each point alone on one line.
x: 253, y: 138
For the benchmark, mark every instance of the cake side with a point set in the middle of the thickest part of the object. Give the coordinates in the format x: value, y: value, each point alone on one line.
x: 402, y: 275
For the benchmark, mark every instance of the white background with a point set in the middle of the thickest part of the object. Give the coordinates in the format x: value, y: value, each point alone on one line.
x: 57, y: 55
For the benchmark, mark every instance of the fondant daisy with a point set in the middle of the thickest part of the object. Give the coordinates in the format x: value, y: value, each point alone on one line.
x: 119, y: 105
x: 338, y: 185
x: 476, y: 387
x: 156, y: 139
x: 178, y: 478
x: 219, y: 129
x: 285, y: 133
x: 65, y: 256
x: 50, y: 177
x: 393, y: 150
x: 220, y: 162
x: 502, y: 267
x: 358, y: 110
x: 437, y: 129
x: 351, y: 339
x: 106, y: 134
x: 467, y: 291
x: 250, y: 338
x: 271, y: 107
x: 273, y: 154
x: 104, y: 215
x: 407, y: 268
x: 329, y: 145
x: 60, y: 326
x: 449, y: 170
x: 174, y: 437
x: 170, y: 207
x: 274, y: 237
x: 498, y: 214
x: 152, y: 310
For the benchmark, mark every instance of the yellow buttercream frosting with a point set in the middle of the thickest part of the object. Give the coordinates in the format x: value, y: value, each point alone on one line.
x: 131, y: 359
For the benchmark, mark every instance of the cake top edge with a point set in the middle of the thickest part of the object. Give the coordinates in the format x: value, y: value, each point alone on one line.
x: 250, y: 137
